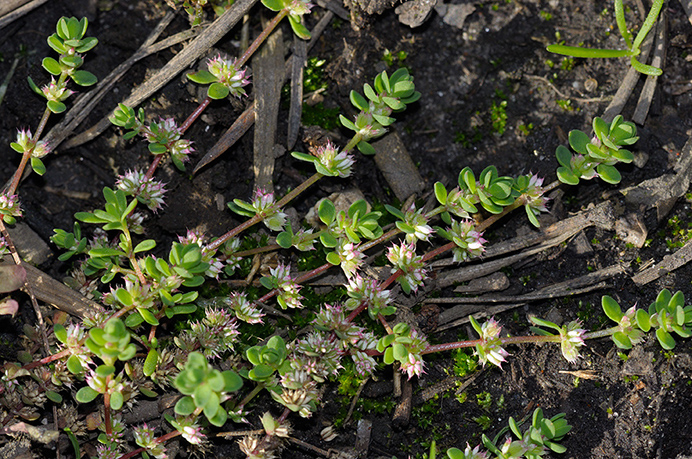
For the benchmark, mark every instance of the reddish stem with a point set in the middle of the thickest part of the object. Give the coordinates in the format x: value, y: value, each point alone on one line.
x: 46, y: 360
x: 261, y: 37
x: 152, y: 167
x: 195, y: 114
x: 159, y: 440
x: 107, y: 410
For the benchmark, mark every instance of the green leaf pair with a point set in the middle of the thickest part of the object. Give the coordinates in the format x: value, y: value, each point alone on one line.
x: 667, y: 315
x: 268, y: 359
x: 352, y: 225
x: 597, y: 156
x: 206, y: 388
x: 389, y: 94
x: 111, y: 343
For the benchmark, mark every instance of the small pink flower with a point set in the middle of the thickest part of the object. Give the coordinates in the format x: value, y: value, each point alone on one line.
x: 9, y: 205
x: 351, y: 258
x: 54, y: 92
x: 228, y: 73
x: 571, y: 339
x: 404, y: 258
x: 490, y: 348
x: 264, y: 205
x: 469, y: 242
x: 333, y: 163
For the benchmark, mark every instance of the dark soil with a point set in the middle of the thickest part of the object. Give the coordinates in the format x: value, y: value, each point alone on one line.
x: 635, y: 407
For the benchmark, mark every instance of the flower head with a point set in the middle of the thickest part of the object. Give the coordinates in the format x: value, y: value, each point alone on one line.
x: 583, y: 167
x: 416, y: 225
x: 180, y: 151
x: 333, y: 163
x: 490, y: 347
x: 367, y: 127
x: 164, y: 132
x: 208, y: 254
x: 4, y: 249
x: 144, y: 437
x: 571, y: 339
x: 350, y: 257
x: 56, y: 93
x: 9, y: 207
x: 367, y: 289
x: 244, y: 310
x: 264, y: 205
x: 229, y: 74
x: 189, y: 429
x: 299, y: 7
x: 469, y: 242
x: 474, y: 453
x: 148, y: 191
x: 628, y: 326
x: 404, y: 258
x: 532, y: 195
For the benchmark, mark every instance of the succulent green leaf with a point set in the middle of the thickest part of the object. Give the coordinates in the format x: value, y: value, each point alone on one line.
x: 556, y: 447
x: 624, y: 156
x: 388, y: 356
x: 145, y: 246
x: 564, y: 156
x: 600, y: 128
x: 622, y: 341
x: 86, y: 44
x: 400, y: 352
x: 232, y: 381
x: 57, y: 44
x: 148, y: 316
x: 84, y: 78
x: 52, y: 66
x: 298, y: 28
x: 202, y: 77
x: 261, y: 372
x: 394, y: 103
x: 74, y: 365
x: 53, y: 396
x: 347, y: 124
x: 366, y: 148
x: 284, y: 239
x: 383, y: 120
x: 326, y: 211
x: 644, y: 68
x: 157, y: 148
x: 274, y: 5
x: 124, y: 297
x: 55, y: 106
x: 73, y: 62
x: 441, y: 193
x: 60, y: 333
x: 303, y: 156
x: 219, y: 418
x: 665, y: 339
x: 217, y: 91
x: 150, y: 362
x: 86, y: 394
x: 116, y: 401
x: 611, y: 308
x: 676, y: 300
x: 643, y: 320
x: 358, y: 101
x: 333, y: 258
x: 609, y: 174
x: 578, y: 140
x: 185, y: 406
x: 202, y: 395
x: 575, y: 51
